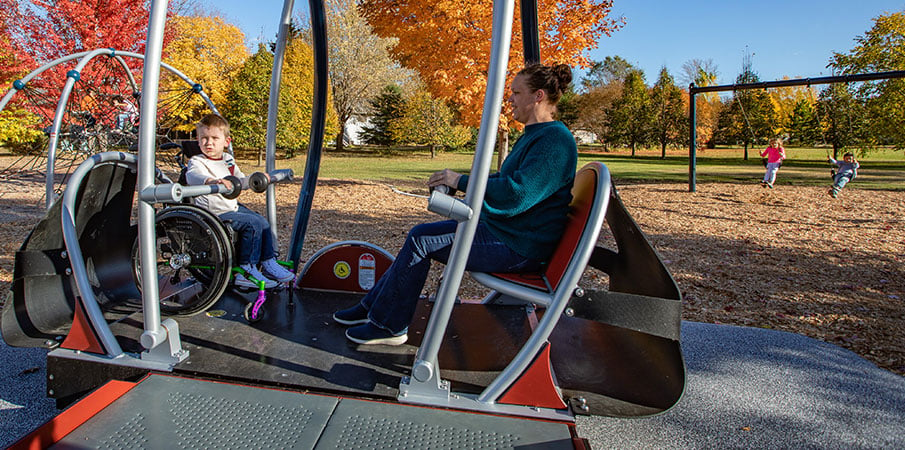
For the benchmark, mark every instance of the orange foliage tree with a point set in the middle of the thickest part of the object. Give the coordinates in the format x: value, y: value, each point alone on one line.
x: 448, y: 41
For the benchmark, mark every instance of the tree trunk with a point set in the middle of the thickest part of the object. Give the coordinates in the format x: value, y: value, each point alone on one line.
x: 260, y: 152
x: 663, y: 150
x: 633, y: 149
x: 340, y: 145
x: 433, y: 151
x: 503, y: 150
x: 746, y: 150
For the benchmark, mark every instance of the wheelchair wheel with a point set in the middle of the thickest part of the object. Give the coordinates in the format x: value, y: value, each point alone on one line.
x: 194, y: 260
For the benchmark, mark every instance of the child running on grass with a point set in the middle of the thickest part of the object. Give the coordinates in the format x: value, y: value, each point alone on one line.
x: 774, y: 153
x: 848, y: 170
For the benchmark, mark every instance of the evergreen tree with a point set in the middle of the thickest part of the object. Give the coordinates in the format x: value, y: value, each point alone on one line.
x: 386, y: 108
x: 669, y: 123
x: 804, y: 126
x: 631, y: 115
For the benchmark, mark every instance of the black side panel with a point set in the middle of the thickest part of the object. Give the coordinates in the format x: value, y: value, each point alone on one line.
x: 619, y: 351
x: 40, y: 306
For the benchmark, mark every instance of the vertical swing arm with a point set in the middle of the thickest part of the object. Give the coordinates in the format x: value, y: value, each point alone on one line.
x: 272, y: 110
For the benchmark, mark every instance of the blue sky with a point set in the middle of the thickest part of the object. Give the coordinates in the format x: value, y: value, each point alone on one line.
x: 792, y: 38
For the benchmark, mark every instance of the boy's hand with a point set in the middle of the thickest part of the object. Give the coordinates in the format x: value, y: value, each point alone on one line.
x: 223, y: 181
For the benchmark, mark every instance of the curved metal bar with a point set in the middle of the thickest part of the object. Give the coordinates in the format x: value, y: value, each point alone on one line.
x: 426, y: 367
x: 273, y: 108
x: 318, y: 121
x: 76, y: 260
x: 24, y: 80
x: 84, y: 58
x: 71, y: 78
x: 560, y: 296
x: 530, y: 37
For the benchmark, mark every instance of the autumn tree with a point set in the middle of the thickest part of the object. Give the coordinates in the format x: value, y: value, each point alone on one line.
x: 429, y: 121
x: 387, y: 107
x: 49, y: 29
x: 631, y: 114
x: 613, y: 69
x: 668, y: 123
x: 842, y: 117
x: 17, y: 126
x: 246, y: 101
x: 297, y: 97
x: 593, y: 109
x: 448, y: 41
x: 360, y: 62
x: 210, y: 52
x: 703, y: 72
x: 749, y: 117
x: 878, y: 50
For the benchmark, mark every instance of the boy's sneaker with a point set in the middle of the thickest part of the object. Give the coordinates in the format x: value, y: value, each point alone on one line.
x: 355, y: 315
x: 276, y: 271
x: 253, y: 274
x: 372, y: 334
x: 834, y: 193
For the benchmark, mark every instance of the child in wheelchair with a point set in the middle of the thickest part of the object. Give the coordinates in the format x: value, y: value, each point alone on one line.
x: 255, y: 241
x: 845, y: 171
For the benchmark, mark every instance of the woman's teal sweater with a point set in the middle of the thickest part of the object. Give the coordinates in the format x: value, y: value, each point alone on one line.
x: 526, y: 202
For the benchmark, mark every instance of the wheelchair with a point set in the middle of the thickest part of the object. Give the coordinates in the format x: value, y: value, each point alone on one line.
x: 196, y: 249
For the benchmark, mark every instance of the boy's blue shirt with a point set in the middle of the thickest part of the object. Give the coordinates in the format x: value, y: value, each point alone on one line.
x: 846, y: 167
x: 527, y: 201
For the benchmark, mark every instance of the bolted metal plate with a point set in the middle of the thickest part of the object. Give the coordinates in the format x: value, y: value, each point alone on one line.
x: 372, y: 425
x: 167, y: 412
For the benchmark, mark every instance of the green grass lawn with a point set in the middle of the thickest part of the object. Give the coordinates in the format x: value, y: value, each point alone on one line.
x: 881, y: 169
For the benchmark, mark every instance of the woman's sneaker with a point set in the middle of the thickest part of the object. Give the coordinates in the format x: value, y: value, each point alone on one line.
x: 369, y: 333
x: 355, y: 315
x: 276, y: 271
x: 253, y: 274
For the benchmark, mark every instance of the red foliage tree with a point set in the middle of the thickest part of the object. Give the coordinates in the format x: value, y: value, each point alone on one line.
x: 48, y: 29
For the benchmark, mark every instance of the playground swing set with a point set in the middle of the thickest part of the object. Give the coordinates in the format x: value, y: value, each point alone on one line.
x: 118, y: 305
x: 694, y: 90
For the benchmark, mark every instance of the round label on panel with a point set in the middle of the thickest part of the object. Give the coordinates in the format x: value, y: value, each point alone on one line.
x: 367, y: 268
x: 342, y: 270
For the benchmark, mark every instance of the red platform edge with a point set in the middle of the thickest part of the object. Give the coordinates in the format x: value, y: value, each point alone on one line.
x: 74, y: 416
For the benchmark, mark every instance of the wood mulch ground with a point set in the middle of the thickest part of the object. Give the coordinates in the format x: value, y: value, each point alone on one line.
x: 791, y: 258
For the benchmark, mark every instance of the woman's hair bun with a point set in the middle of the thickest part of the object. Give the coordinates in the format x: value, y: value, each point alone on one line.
x: 563, y: 74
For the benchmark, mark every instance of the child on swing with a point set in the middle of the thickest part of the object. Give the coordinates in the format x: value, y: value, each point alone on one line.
x: 847, y: 171
x: 774, y: 153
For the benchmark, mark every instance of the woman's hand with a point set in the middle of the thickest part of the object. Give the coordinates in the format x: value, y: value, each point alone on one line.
x: 444, y: 177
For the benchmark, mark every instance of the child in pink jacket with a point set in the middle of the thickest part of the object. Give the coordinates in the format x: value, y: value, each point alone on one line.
x: 774, y: 153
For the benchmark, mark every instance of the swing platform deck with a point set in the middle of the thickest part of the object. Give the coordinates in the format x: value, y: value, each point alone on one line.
x: 163, y: 411
x: 297, y: 346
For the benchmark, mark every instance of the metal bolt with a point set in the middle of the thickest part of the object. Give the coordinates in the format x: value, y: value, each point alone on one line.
x: 570, y: 312
x: 68, y: 271
x: 64, y: 255
x: 579, y: 292
x: 50, y: 377
x: 50, y: 392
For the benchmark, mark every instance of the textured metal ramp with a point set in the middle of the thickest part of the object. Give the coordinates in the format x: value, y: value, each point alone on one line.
x: 372, y: 425
x: 167, y: 412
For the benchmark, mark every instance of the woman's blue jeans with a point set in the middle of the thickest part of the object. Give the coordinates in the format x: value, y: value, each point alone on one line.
x: 391, y: 303
x: 255, y: 241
